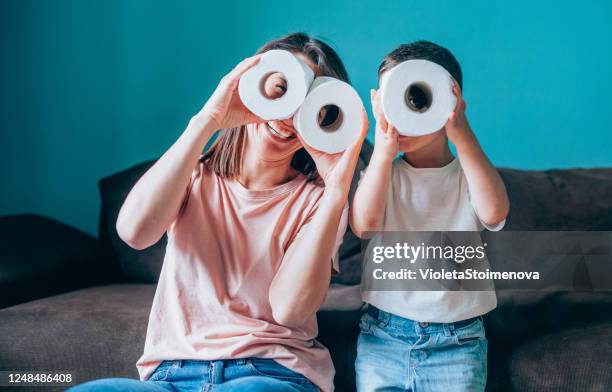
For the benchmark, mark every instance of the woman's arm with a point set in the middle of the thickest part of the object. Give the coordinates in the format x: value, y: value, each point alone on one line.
x: 487, y: 190
x: 299, y: 287
x: 154, y: 202
x: 370, y: 200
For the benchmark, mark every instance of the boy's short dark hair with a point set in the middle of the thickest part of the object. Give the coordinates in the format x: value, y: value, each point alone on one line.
x: 423, y: 50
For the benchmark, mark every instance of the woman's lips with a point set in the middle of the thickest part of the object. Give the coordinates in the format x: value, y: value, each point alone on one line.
x: 281, y: 133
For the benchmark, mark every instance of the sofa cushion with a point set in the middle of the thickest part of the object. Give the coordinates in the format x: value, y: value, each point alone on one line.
x: 570, y: 360
x: 578, y: 199
x: 40, y: 256
x: 100, y: 332
x: 94, y: 332
x: 145, y: 265
x: 523, y: 315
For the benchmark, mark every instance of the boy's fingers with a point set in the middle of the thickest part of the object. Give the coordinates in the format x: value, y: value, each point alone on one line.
x: 375, y: 106
x: 456, y: 85
x: 380, y: 117
x: 461, y: 104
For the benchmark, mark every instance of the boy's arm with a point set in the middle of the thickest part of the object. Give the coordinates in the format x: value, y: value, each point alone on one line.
x: 487, y: 190
x: 370, y: 200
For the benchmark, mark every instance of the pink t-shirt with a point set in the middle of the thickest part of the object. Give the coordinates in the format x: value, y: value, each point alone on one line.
x: 222, y: 254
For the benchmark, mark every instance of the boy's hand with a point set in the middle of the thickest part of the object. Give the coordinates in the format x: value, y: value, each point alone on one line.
x: 386, y: 138
x: 457, y: 127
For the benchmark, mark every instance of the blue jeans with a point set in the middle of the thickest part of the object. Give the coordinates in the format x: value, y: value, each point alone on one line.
x: 398, y: 354
x: 244, y: 375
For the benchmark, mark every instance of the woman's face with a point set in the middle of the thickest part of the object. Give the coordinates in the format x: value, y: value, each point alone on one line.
x: 277, y: 139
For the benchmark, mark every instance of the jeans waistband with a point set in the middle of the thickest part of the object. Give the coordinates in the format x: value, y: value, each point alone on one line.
x: 377, y: 313
x: 226, y: 362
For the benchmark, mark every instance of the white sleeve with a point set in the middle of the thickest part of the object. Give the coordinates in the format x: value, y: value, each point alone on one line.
x: 496, y: 227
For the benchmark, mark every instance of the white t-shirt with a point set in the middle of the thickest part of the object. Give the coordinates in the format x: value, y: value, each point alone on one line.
x: 431, y: 199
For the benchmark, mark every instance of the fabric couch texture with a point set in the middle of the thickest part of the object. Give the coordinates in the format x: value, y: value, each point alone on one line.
x: 75, y: 303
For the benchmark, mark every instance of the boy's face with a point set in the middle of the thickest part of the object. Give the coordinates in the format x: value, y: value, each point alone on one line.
x: 410, y: 144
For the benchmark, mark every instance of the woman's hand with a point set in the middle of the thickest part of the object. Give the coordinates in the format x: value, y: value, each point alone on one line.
x: 224, y: 107
x: 299, y: 286
x: 386, y: 137
x: 337, y: 169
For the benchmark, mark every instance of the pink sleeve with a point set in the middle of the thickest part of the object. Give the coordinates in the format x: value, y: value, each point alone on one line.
x: 195, y: 174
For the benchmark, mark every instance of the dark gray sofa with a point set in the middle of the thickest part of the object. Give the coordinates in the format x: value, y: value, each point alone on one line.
x: 72, y: 302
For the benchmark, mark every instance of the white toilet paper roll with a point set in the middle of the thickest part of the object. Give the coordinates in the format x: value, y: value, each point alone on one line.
x: 298, y: 75
x: 417, y: 97
x: 338, y: 135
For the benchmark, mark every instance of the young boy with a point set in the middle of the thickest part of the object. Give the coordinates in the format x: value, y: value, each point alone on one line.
x: 426, y: 340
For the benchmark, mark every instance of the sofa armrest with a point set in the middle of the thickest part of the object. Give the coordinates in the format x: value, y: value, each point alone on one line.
x: 41, y: 257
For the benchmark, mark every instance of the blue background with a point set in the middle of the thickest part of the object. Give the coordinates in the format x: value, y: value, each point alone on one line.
x: 91, y: 87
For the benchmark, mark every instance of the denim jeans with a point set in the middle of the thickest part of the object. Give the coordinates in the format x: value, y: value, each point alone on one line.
x: 398, y: 354
x: 245, y: 375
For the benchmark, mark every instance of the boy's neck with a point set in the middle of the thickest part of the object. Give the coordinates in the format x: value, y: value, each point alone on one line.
x: 435, y: 154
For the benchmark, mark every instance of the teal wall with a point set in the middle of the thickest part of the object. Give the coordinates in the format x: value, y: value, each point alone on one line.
x: 90, y: 87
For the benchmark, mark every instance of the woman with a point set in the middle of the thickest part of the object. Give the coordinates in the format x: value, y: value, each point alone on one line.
x: 253, y: 232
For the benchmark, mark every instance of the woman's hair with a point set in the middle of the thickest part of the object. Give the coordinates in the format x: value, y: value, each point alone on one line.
x: 224, y: 156
x: 423, y: 50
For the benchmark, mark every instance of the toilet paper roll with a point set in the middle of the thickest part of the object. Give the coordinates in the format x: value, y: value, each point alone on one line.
x: 298, y: 75
x: 338, y: 135
x: 417, y: 97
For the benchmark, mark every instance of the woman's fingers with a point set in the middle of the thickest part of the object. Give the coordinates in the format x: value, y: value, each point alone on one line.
x: 235, y: 74
x: 351, y: 154
x: 355, y: 147
x: 364, y: 127
x: 245, y: 64
x: 392, y: 132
